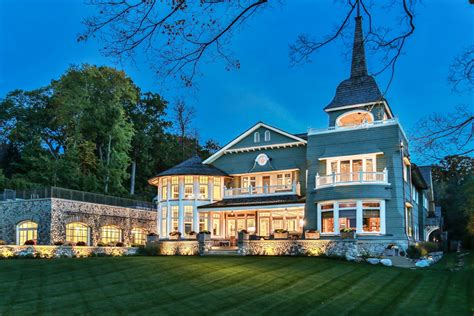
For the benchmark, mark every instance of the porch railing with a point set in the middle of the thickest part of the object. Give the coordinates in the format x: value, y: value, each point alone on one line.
x: 349, y: 178
x: 293, y: 188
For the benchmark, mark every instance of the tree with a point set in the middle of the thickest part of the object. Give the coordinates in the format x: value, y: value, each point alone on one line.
x: 183, y: 116
x: 444, y: 134
x: 461, y: 71
x: 177, y: 35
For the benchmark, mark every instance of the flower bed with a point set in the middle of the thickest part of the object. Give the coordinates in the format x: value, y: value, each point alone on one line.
x: 50, y: 252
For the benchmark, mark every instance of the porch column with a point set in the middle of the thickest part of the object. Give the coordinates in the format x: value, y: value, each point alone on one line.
x: 209, y: 221
x: 158, y: 222
x: 195, y: 218
x: 210, y: 188
x: 382, y: 217
x: 336, y: 218
x: 319, y: 218
x: 359, y: 218
x: 180, y: 205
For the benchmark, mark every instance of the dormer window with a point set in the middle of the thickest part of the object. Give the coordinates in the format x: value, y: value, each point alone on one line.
x: 267, y: 136
x: 354, y: 118
x: 256, y: 137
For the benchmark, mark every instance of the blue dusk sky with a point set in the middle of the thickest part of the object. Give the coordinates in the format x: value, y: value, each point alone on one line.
x: 38, y: 43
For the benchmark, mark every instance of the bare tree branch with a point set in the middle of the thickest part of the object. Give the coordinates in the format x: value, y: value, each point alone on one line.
x: 461, y: 71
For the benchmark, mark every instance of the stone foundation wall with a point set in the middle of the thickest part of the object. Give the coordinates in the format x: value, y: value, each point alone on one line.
x: 96, y: 216
x: 50, y: 252
x: 14, y: 212
x: 179, y: 247
x: 338, y: 248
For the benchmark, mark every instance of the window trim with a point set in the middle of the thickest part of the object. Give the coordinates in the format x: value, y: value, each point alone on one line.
x: 341, y: 116
x: 256, y: 137
x: 267, y: 136
x: 34, y: 229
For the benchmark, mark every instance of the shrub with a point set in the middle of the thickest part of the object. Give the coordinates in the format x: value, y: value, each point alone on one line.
x: 413, y: 252
x: 152, y: 235
x: 152, y: 249
x: 58, y: 243
x: 427, y: 247
x: 244, y: 231
x: 205, y: 232
x: 111, y: 244
x: 347, y: 230
x: 30, y: 242
x: 81, y: 244
x: 191, y: 233
x: 120, y: 244
x: 2, y: 242
x: 175, y: 234
x: 100, y: 244
x: 69, y: 244
x: 137, y: 245
x: 281, y: 231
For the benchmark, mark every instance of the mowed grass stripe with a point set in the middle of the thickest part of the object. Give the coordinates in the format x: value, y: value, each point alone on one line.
x: 229, y: 285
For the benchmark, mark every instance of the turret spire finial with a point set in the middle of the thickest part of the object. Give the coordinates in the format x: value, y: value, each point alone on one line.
x: 358, y: 66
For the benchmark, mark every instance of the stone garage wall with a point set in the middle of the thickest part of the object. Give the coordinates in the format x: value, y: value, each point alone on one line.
x: 338, y: 248
x: 96, y: 216
x: 14, y: 212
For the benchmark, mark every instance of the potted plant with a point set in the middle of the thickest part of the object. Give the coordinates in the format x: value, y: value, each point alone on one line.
x: 243, y: 235
x: 312, y: 234
x: 81, y: 244
x: 175, y: 235
x: 204, y: 235
x: 348, y: 233
x: 30, y: 242
x: 152, y: 237
x: 280, y: 234
x: 192, y: 234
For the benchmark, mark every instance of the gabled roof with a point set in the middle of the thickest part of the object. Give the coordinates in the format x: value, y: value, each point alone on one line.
x: 247, y: 133
x: 191, y: 166
x: 360, y: 88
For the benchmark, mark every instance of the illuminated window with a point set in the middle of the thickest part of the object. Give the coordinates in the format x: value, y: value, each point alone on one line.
x: 409, y: 214
x: 164, y: 189
x: 347, y: 215
x: 371, y: 217
x: 174, y: 188
x: 174, y: 218
x: 217, y: 190
x: 247, y: 182
x: 256, y: 137
x: 203, y: 187
x: 203, y: 220
x: 138, y: 236
x: 267, y: 136
x: 188, y: 219
x: 110, y: 234
x: 188, y: 187
x: 406, y: 169
x: 216, y: 224
x: 354, y: 118
x: 327, y: 218
x: 26, y: 230
x: 284, y: 179
x: 76, y: 232
x: 164, y: 221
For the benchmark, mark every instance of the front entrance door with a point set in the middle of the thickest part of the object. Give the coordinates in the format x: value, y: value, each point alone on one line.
x: 266, y: 184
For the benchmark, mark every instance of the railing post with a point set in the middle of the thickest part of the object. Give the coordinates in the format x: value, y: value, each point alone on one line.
x: 361, y: 174
x: 317, y: 179
x: 385, y: 175
x: 333, y: 178
x: 250, y: 189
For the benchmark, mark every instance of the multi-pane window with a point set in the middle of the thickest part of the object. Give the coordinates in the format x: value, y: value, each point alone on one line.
x: 256, y: 137
x: 27, y: 230
x: 110, y: 234
x: 267, y: 136
x: 217, y: 190
x: 164, y: 221
x: 406, y: 169
x: 189, y: 187
x: 371, y: 217
x: 203, y: 220
x: 247, y: 182
x: 174, y: 218
x: 203, y: 187
x: 77, y: 232
x: 352, y: 169
x: 284, y: 179
x: 138, y: 236
x: 327, y: 218
x: 164, y: 189
x: 216, y: 224
x: 347, y: 215
x: 174, y: 188
x: 188, y: 219
x: 409, y: 211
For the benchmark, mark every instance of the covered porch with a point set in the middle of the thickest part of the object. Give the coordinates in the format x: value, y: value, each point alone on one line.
x: 259, y: 217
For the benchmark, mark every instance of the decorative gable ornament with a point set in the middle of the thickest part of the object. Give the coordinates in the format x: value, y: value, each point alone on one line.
x: 262, y: 160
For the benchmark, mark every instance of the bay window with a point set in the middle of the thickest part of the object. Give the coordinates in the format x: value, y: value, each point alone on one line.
x: 188, y: 187
x: 174, y: 188
x: 174, y: 218
x: 164, y: 221
x: 362, y: 216
x: 164, y: 189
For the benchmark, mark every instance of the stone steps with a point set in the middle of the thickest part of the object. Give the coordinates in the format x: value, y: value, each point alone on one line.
x: 224, y: 251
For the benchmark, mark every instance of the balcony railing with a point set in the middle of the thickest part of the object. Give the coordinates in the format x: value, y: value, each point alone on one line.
x: 349, y: 178
x: 283, y: 189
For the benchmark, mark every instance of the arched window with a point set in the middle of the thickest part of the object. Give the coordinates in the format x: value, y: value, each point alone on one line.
x: 77, y: 232
x: 110, y: 234
x: 353, y: 118
x: 138, y: 236
x: 256, y: 137
x: 26, y: 230
x: 267, y: 136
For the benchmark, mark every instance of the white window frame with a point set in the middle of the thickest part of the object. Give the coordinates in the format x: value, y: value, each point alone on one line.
x: 359, y: 216
x: 338, y: 119
x: 364, y: 158
x: 267, y: 136
x: 256, y: 137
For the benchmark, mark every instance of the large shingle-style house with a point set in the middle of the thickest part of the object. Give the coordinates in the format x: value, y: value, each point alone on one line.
x: 355, y: 174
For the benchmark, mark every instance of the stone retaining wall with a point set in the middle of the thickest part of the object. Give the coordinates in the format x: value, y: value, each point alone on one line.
x: 179, y: 247
x: 49, y: 252
x: 338, y: 248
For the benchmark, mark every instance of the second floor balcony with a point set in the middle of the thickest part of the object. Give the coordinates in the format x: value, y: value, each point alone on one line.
x: 351, y: 178
x: 250, y: 191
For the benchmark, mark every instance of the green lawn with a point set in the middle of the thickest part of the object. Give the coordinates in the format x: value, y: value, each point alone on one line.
x: 231, y: 285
